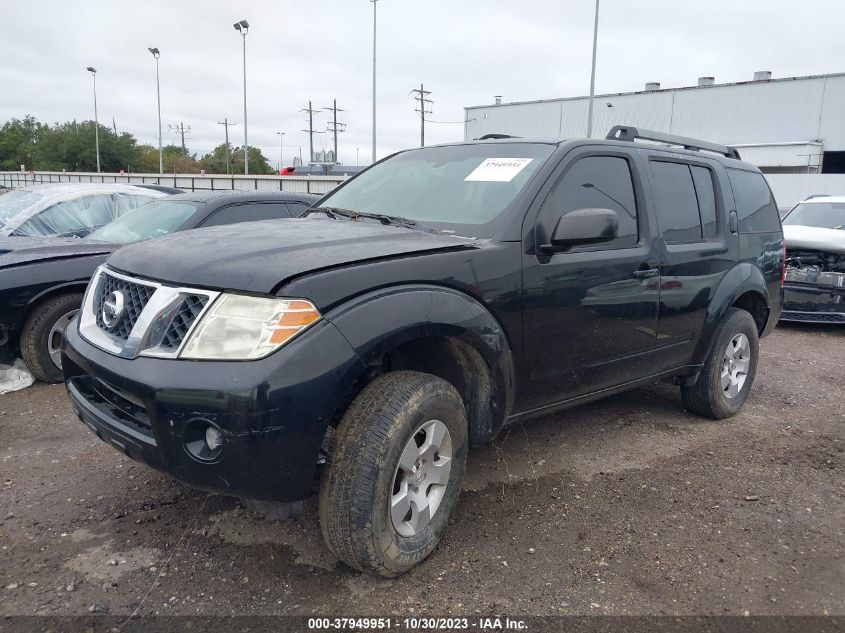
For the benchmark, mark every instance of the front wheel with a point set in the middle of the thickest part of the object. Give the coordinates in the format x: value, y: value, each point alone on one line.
x: 728, y: 373
x: 395, y: 473
x: 42, y: 333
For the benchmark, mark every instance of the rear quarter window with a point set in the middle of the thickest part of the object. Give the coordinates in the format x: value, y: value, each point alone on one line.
x: 755, y: 207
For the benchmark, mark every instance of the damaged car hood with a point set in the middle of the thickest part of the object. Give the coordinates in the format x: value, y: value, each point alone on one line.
x: 18, y: 251
x: 258, y: 256
x: 814, y: 238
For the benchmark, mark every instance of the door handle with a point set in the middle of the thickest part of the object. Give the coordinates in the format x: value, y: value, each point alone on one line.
x: 646, y: 273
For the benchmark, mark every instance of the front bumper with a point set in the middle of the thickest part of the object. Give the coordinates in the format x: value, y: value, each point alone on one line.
x: 808, y: 303
x: 273, y: 412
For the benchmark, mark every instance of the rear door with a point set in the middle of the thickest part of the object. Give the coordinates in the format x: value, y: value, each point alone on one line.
x: 696, y: 248
x: 590, y: 313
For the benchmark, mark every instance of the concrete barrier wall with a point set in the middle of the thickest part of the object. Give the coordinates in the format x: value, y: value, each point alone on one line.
x: 188, y: 182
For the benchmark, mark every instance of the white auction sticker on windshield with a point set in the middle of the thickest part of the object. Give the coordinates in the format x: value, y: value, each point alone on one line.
x: 498, y: 170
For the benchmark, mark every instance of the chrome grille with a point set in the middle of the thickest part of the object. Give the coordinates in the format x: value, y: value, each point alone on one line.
x: 135, y: 297
x: 155, y: 318
x: 186, y: 314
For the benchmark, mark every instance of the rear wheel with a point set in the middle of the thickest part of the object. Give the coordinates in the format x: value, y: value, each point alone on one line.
x: 41, y: 338
x: 728, y: 373
x: 395, y: 473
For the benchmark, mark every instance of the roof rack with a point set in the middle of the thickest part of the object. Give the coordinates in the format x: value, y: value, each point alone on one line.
x: 628, y: 133
x: 487, y: 137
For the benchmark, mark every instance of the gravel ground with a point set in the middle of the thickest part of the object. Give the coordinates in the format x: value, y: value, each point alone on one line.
x: 626, y: 506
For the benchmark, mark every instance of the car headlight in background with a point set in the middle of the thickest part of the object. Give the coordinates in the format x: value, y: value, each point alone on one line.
x: 241, y: 327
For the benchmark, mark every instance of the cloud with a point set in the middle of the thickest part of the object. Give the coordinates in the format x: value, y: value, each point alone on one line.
x: 465, y: 51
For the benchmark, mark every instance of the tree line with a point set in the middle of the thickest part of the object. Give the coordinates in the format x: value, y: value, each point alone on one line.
x: 71, y: 146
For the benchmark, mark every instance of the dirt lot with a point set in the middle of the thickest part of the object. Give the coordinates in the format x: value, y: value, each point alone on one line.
x: 628, y: 506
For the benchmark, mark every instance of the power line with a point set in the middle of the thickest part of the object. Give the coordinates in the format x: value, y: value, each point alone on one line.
x: 181, y: 129
x: 334, y: 127
x: 422, y: 93
x: 310, y: 129
x: 225, y: 122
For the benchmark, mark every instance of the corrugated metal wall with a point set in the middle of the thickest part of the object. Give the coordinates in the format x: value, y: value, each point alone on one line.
x: 801, y: 109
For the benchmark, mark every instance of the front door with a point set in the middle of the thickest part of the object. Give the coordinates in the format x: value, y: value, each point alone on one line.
x: 590, y: 313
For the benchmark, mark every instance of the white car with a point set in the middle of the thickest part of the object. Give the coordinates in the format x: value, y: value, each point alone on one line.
x: 67, y: 209
x: 814, y: 287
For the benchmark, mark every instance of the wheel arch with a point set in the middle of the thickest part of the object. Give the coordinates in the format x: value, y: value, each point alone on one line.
x: 742, y: 287
x: 439, y: 331
x: 67, y: 287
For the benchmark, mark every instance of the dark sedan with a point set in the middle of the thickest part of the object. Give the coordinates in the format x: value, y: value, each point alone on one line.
x: 42, y: 279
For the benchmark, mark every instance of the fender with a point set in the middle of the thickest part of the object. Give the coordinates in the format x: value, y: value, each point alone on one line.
x: 77, y: 285
x: 381, y: 321
x: 742, y: 278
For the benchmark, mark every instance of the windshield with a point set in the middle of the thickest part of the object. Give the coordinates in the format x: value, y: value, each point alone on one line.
x: 461, y: 187
x: 825, y: 215
x: 148, y: 220
x: 14, y: 202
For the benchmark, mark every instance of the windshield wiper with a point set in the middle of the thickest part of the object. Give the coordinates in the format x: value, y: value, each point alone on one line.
x: 333, y: 212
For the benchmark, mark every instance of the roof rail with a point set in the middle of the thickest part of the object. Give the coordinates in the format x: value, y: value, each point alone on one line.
x: 487, y: 137
x: 628, y: 133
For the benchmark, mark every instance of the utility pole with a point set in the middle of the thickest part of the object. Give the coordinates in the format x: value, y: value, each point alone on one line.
x: 182, y: 129
x: 310, y: 129
x: 421, y: 97
x: 281, y: 149
x: 156, y: 53
x: 374, y: 78
x: 242, y: 27
x: 593, y: 74
x: 226, y: 124
x: 93, y: 72
x: 335, y: 126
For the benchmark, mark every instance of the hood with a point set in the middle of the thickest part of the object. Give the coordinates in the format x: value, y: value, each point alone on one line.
x: 258, y: 256
x: 16, y: 251
x: 814, y: 238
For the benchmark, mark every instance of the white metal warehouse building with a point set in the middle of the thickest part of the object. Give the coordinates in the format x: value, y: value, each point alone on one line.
x: 792, y: 125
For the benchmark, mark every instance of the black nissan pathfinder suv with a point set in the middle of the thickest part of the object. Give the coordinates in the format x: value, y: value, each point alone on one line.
x: 421, y: 306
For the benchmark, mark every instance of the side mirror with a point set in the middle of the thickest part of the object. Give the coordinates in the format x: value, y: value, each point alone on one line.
x: 584, y: 226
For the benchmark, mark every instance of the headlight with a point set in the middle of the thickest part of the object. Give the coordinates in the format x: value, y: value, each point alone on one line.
x: 240, y: 327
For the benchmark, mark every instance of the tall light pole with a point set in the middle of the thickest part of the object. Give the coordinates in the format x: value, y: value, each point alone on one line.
x: 242, y: 27
x: 281, y: 149
x: 93, y: 72
x: 155, y: 53
x: 374, y: 78
x: 593, y: 73
x: 357, y: 160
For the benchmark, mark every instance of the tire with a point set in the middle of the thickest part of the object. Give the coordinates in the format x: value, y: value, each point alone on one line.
x: 42, y: 333
x: 710, y: 396
x: 384, y: 424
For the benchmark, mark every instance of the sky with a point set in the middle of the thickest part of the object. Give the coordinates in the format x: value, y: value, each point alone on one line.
x: 464, y: 51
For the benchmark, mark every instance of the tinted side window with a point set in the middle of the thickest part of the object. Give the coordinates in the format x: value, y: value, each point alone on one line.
x: 755, y: 207
x: 598, y: 182
x: 76, y: 216
x: 249, y: 212
x: 706, y: 193
x: 677, y: 206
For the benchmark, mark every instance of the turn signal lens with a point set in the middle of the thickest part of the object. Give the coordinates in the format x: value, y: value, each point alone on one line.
x: 241, y: 327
